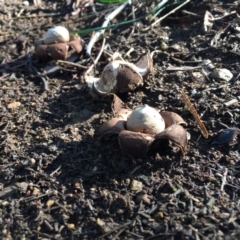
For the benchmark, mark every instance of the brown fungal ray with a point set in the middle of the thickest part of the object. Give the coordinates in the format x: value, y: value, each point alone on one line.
x: 146, y: 64
x: 112, y: 126
x: 127, y: 79
x: 41, y: 52
x: 95, y: 86
x: 225, y: 136
x: 117, y: 104
x: 76, y: 43
x: 176, y: 134
x: 123, y: 114
x: 105, y: 85
x: 135, y: 144
x: 171, y: 118
x: 56, y: 51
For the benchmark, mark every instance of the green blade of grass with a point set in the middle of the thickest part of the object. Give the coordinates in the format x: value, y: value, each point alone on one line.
x: 89, y: 30
x: 155, y: 10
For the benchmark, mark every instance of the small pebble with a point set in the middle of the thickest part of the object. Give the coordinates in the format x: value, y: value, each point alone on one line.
x: 26, y: 3
x: 136, y: 185
x: 222, y: 74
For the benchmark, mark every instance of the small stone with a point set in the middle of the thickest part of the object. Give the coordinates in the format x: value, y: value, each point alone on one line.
x: 14, y: 105
x: 22, y: 186
x: 71, y: 226
x: 237, y: 29
x: 222, y: 74
x: 136, y: 185
x: 158, y: 215
x: 50, y: 202
x: 164, y: 46
x: 35, y: 191
x: 5, y: 203
x: 26, y: 3
x: 32, y: 161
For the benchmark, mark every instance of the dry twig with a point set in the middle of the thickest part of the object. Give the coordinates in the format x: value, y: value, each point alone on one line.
x: 166, y: 15
x: 224, y: 178
x: 97, y: 58
x: 105, y: 24
x: 195, y: 114
x: 60, y: 63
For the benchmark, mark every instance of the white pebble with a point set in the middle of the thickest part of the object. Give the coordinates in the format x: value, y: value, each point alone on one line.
x: 222, y: 74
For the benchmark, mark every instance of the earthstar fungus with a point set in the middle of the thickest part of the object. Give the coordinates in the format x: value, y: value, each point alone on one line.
x: 56, y: 43
x: 121, y: 76
x: 136, y: 142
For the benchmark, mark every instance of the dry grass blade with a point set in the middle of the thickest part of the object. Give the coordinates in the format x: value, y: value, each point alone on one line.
x: 169, y: 13
x: 195, y: 114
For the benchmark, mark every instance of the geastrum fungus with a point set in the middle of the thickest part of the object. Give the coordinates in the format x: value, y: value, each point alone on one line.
x: 137, y: 129
x: 56, y: 43
x: 121, y: 76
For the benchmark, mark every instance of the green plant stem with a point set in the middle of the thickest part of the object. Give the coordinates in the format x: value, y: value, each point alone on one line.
x: 155, y: 10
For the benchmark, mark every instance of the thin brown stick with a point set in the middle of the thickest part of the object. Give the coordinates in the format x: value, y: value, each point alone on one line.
x: 195, y: 114
x: 60, y: 63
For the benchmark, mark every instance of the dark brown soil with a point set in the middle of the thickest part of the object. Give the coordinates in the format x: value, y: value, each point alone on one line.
x: 59, y: 181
